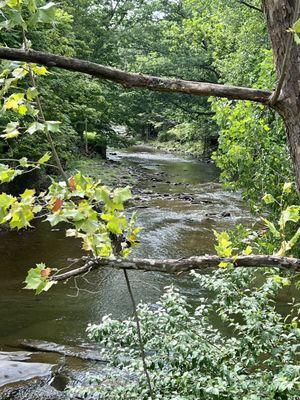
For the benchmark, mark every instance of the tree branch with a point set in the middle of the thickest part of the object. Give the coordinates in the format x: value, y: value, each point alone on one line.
x: 136, y: 80
x: 192, y: 111
x: 250, y: 6
x: 174, y: 266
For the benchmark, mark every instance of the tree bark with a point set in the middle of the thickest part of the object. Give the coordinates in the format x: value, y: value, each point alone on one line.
x: 174, y: 266
x: 280, y: 15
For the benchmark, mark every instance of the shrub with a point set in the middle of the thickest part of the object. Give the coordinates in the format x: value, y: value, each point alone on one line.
x: 237, y: 346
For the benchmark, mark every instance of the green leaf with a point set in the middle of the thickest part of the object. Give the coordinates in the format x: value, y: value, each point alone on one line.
x: 46, y: 157
x: 296, y: 26
x: 7, y: 174
x: 11, y: 135
x: 32, y: 6
x: 36, y: 281
x: 28, y: 193
x: 19, y: 72
x: 44, y: 14
x: 22, y: 109
x: 121, y: 195
x: 297, y: 38
x: 287, y: 187
x: 291, y: 213
x: 294, y: 239
x: 31, y: 93
x: 6, y: 201
x: 15, y: 19
x: 20, y: 215
x: 53, y: 126
x: 35, y: 127
x: 24, y: 162
x: 248, y: 250
x: 13, y: 3
x: 13, y: 101
x: 272, y: 228
x: 40, y: 71
x: 268, y: 198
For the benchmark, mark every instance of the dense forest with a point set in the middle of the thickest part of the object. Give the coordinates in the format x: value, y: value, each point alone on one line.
x: 214, y: 83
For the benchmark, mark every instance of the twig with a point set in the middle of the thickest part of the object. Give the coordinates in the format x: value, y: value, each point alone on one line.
x: 29, y: 162
x: 275, y: 95
x: 250, y: 6
x: 138, y: 328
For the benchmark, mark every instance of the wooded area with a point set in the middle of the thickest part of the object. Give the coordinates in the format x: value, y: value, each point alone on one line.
x: 221, y: 86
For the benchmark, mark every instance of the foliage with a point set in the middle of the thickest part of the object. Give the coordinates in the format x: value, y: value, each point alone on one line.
x: 234, y: 345
x: 252, y: 153
x: 238, y: 345
x: 280, y: 238
x: 191, y: 355
x: 189, y: 137
x: 92, y: 212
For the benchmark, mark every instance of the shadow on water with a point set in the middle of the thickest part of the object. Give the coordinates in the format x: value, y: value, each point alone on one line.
x: 172, y: 228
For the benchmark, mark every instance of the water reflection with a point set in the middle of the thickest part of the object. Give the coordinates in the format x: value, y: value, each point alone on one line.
x: 172, y: 228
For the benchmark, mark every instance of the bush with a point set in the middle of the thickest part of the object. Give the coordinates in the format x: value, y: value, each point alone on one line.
x: 237, y: 346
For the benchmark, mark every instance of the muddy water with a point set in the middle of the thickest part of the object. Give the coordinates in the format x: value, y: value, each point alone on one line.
x: 174, y: 226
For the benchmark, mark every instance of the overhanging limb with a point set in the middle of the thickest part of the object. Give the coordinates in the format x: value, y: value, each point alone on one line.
x: 136, y: 80
x: 183, y: 265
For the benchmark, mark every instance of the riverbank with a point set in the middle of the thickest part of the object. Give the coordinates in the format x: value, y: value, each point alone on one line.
x: 190, y: 149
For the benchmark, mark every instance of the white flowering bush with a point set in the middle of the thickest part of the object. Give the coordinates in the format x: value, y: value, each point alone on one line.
x: 236, y: 346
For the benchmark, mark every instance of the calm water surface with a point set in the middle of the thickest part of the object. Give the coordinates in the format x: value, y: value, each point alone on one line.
x: 172, y: 228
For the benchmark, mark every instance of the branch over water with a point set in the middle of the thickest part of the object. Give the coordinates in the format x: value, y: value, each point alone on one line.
x: 183, y: 265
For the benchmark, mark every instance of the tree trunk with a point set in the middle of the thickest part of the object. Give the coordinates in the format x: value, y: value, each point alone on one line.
x: 280, y: 15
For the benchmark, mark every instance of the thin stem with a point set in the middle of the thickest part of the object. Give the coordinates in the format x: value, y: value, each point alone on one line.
x: 250, y: 6
x: 138, y: 327
x: 43, y: 119
x: 29, y: 162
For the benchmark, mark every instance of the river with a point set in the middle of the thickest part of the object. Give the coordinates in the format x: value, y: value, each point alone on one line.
x: 179, y: 223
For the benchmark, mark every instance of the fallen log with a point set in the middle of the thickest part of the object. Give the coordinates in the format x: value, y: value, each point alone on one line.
x: 183, y: 265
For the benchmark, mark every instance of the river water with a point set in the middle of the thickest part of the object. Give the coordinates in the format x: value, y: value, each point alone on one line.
x: 178, y: 224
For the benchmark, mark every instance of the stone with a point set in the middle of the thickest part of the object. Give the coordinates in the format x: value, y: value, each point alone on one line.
x: 15, y: 371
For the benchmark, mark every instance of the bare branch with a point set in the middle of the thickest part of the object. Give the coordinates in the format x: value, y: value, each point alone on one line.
x: 176, y: 266
x: 250, y: 6
x: 136, y: 80
x: 192, y: 111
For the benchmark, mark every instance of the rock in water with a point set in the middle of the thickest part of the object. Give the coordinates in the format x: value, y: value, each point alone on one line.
x: 15, y: 371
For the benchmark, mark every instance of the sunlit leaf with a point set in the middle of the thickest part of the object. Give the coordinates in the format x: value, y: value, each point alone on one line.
x: 39, y: 70
x: 268, y: 198
x: 35, y: 127
x: 46, y: 157
x: 287, y: 187
x: 53, y: 126
x: 272, y: 228
x: 291, y: 213
x: 24, y: 162
x: 31, y: 93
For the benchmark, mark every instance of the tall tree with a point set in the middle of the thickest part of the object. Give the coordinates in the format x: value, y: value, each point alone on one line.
x: 280, y: 17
